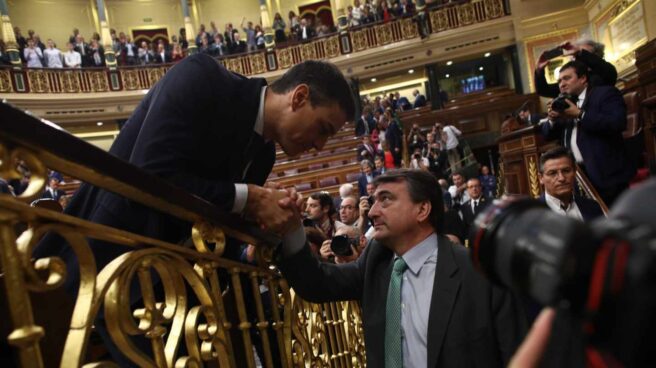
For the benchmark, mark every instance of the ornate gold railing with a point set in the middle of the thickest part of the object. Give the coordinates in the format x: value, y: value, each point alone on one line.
x: 211, y: 309
x: 439, y: 19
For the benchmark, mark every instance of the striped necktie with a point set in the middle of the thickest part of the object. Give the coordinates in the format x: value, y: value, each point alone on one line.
x: 393, y: 332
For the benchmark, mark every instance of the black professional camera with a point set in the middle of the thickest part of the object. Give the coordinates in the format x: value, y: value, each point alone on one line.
x: 604, y: 273
x: 560, y: 104
x: 341, y: 245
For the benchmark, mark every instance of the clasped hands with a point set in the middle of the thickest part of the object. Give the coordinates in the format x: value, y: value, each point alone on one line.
x: 273, y: 208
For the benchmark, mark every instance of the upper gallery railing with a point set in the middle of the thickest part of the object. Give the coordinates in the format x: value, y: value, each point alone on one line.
x: 221, y: 323
x: 439, y: 19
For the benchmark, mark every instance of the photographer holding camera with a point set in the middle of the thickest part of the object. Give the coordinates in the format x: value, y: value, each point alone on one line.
x: 586, y: 51
x: 344, y: 247
x: 589, y: 121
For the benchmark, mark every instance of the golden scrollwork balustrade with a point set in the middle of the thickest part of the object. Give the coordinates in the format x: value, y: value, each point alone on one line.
x: 440, y: 18
x: 196, y: 307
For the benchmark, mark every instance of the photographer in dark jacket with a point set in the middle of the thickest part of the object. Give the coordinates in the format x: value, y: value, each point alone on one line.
x: 590, y: 53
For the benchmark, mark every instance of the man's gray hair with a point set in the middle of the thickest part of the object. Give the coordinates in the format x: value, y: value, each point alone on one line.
x: 597, y: 47
x: 345, y: 190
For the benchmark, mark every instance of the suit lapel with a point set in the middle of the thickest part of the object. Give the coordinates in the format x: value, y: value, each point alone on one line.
x: 445, y: 291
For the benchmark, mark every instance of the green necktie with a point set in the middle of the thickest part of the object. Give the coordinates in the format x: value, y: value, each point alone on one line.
x: 393, y: 335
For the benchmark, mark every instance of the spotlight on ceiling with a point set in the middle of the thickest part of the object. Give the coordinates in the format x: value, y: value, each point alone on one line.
x: 487, y: 54
x: 411, y: 71
x: 373, y: 80
x: 449, y: 62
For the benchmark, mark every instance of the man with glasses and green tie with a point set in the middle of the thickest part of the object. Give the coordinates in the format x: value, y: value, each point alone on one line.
x: 423, y: 305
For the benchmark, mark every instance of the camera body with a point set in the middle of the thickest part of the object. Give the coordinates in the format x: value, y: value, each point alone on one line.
x: 341, y: 245
x: 605, y: 272
x: 560, y: 103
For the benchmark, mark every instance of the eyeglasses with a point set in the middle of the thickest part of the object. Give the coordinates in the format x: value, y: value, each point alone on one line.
x: 347, y: 207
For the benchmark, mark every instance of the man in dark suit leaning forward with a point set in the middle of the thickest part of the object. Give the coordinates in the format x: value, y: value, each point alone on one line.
x: 423, y: 304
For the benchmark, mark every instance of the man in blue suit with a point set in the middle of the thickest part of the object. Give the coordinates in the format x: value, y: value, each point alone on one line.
x: 558, y: 175
x: 592, y: 128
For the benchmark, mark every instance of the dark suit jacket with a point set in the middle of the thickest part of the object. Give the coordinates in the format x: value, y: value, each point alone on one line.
x: 309, y: 33
x: 599, y: 137
x: 602, y: 73
x: 393, y: 137
x: 471, y: 323
x: 193, y: 129
x: 160, y: 60
x: 362, y: 182
x: 58, y: 194
x: 362, y: 124
x: 370, y: 154
x: 420, y: 101
x: 468, y: 216
x: 589, y: 208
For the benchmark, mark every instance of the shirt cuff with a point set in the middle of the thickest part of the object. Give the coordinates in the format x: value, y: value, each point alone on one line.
x: 293, y: 242
x: 241, y: 195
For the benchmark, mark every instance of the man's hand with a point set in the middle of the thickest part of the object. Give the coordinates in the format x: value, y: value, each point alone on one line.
x: 263, y: 205
x: 272, y: 185
x: 569, y: 49
x: 346, y: 259
x: 542, y: 61
x: 364, y: 206
x: 325, y: 250
x: 530, y: 352
x: 572, y: 111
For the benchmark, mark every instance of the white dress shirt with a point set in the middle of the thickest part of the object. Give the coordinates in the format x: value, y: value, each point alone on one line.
x: 573, y: 145
x: 557, y: 206
x: 72, y: 59
x: 241, y: 189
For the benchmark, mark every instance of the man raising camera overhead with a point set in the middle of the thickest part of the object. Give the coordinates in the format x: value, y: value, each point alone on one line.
x: 589, y: 120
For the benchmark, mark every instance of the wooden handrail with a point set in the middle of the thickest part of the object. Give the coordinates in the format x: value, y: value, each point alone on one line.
x: 589, y: 189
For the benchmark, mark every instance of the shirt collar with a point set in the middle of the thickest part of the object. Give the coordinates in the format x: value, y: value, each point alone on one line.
x: 582, y: 95
x: 417, y: 256
x: 259, y: 121
x: 554, y: 202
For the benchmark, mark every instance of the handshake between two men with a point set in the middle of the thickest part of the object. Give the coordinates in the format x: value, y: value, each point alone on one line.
x: 273, y: 208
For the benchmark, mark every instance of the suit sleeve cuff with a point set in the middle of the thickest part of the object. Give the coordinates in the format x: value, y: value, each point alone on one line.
x: 241, y: 195
x: 293, y: 242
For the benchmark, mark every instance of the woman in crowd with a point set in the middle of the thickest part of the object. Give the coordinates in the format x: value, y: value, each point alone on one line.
x: 279, y: 27
x: 177, y: 53
x: 294, y: 23
x: 33, y: 55
x: 259, y: 37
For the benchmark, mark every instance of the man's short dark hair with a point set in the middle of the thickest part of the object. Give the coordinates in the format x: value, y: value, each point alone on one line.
x: 422, y: 186
x: 556, y: 153
x: 325, y: 200
x: 327, y: 84
x: 579, y: 68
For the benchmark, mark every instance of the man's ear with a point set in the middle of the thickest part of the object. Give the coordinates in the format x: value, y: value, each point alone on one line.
x: 540, y: 178
x: 424, y: 211
x: 300, y: 96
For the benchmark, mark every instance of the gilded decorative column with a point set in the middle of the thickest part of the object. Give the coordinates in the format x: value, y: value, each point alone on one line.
x: 189, y: 29
x: 105, y: 36
x: 342, y: 20
x: 269, y: 40
x: 8, y: 35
